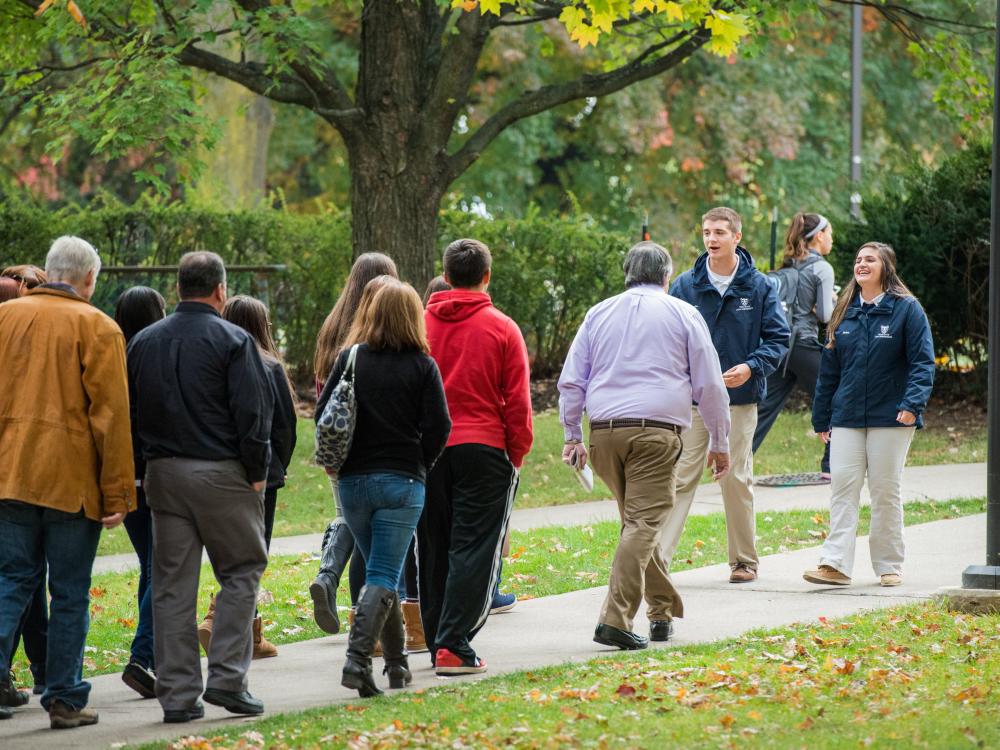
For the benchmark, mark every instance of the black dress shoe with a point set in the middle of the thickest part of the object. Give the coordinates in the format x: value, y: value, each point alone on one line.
x: 140, y: 679
x: 182, y: 715
x: 661, y: 630
x: 5, y: 713
x: 233, y: 702
x: 608, y: 635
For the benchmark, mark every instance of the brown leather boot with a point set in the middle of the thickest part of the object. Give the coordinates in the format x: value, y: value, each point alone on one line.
x: 262, y: 648
x: 350, y: 621
x: 205, y: 628
x: 415, y: 640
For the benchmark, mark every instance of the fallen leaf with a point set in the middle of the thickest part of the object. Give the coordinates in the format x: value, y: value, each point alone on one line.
x: 626, y: 691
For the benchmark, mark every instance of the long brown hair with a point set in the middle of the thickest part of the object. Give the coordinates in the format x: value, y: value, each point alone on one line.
x: 252, y: 316
x: 796, y: 244
x: 331, y: 336
x: 891, y: 284
x: 393, y: 320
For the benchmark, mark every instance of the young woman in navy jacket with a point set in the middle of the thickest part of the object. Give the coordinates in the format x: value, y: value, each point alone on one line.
x: 875, y: 379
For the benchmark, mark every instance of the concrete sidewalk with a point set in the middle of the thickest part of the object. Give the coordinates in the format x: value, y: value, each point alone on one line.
x: 944, y: 482
x: 540, y: 632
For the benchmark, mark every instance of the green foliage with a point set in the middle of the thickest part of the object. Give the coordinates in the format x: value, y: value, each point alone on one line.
x: 938, y: 223
x: 548, y: 272
x: 316, y: 251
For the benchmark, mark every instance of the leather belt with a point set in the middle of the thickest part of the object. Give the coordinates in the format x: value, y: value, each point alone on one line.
x: 610, y: 424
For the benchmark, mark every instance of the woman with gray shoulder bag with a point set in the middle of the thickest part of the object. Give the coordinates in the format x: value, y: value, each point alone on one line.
x: 382, y: 422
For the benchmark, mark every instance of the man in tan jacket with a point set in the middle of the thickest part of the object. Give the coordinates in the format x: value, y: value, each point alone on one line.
x: 66, y: 464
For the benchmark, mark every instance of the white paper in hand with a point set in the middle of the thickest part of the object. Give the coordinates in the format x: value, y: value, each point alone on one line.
x: 584, y: 475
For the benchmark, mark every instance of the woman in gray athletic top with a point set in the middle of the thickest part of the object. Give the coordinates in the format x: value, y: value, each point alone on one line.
x: 807, y: 243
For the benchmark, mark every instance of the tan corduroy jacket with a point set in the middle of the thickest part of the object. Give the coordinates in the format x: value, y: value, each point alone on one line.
x: 65, y: 439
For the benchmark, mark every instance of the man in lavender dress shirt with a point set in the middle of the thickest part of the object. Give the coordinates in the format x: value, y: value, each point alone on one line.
x: 637, y: 363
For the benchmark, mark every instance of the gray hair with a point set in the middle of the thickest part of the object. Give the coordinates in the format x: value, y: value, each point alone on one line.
x: 71, y: 259
x: 647, y: 263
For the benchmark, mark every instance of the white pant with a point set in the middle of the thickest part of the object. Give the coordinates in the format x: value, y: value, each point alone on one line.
x: 879, y: 453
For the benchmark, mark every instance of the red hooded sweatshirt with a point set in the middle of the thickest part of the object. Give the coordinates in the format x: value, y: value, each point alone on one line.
x: 484, y: 366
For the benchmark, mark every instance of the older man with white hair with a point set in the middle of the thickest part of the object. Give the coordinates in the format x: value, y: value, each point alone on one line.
x: 66, y: 465
x: 636, y: 364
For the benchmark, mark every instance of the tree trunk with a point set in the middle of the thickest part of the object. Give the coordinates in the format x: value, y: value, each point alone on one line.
x: 395, y: 214
x: 397, y: 163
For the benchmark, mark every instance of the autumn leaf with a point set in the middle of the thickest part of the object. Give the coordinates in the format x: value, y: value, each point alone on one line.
x: 970, y: 694
x: 44, y: 7
x: 97, y: 592
x: 727, y: 721
x: 626, y: 691
x: 74, y: 11
x: 490, y: 6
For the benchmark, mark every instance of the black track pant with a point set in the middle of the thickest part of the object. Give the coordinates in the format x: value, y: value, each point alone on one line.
x: 802, y: 370
x: 470, y: 493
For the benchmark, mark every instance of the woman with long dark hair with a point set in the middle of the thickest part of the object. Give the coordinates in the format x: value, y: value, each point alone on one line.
x: 136, y: 309
x: 402, y: 427
x: 874, y: 383
x: 338, y: 544
x: 253, y: 317
x: 807, y: 243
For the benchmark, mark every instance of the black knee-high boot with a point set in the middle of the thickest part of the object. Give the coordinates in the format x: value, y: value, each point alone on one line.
x: 394, y: 651
x: 338, y: 544
x: 373, y: 607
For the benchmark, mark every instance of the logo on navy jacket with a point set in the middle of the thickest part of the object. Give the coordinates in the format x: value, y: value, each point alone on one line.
x: 883, y: 333
x: 744, y: 305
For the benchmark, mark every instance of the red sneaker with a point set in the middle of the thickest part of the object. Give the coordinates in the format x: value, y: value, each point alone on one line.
x: 447, y: 663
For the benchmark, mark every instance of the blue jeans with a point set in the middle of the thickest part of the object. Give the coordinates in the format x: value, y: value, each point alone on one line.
x: 382, y: 511
x: 139, y: 525
x: 30, y: 536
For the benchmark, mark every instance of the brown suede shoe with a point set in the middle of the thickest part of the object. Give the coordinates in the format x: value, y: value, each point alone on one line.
x: 742, y: 573
x: 826, y: 575
x: 205, y: 628
x: 62, y: 716
x: 415, y: 640
x: 262, y: 648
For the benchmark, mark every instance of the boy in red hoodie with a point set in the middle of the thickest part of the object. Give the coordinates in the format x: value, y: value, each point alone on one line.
x: 470, y: 490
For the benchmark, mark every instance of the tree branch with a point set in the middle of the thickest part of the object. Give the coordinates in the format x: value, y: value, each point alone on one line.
x: 325, y: 85
x: 251, y: 75
x: 894, y: 8
x: 453, y: 76
x: 547, y: 97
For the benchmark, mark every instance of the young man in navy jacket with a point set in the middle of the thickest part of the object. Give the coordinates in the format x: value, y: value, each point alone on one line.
x: 750, y: 334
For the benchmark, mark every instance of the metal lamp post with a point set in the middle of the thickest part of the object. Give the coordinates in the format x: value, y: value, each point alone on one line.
x: 988, y: 576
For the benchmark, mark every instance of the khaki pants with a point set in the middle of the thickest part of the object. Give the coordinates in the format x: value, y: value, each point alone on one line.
x: 637, y: 464
x: 737, y: 486
x: 880, y: 454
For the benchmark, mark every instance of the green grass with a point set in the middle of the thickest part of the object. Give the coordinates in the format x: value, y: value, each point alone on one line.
x: 543, y: 562
x: 914, y: 676
x: 305, y: 505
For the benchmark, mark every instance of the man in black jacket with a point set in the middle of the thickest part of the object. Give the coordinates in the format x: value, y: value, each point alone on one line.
x: 201, y: 419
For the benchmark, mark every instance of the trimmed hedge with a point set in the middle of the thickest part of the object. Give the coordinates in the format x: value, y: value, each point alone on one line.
x: 547, y: 272
x: 939, y: 224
